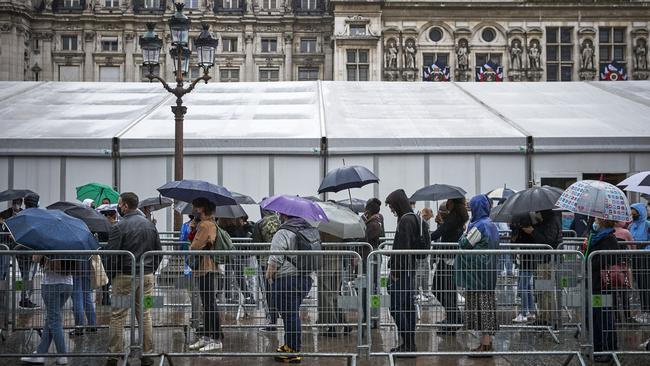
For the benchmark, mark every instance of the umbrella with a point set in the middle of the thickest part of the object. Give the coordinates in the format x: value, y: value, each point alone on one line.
x: 529, y: 200
x: 500, y: 194
x: 313, y: 199
x: 40, y: 229
x: 343, y: 222
x: 358, y: 205
x: 230, y: 212
x: 294, y: 206
x: 184, y: 208
x: 242, y: 199
x: 14, y: 194
x: 642, y: 178
x: 155, y: 203
x: 353, y: 176
x: 437, y: 192
x: 596, y: 199
x: 97, y: 192
x: 96, y: 222
x: 107, y: 208
x: 188, y: 190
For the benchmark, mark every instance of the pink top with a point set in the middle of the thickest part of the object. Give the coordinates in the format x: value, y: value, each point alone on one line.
x: 620, y: 232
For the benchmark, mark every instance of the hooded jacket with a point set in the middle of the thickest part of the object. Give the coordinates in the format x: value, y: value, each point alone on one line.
x: 407, y: 232
x: 640, y: 227
x: 549, y: 231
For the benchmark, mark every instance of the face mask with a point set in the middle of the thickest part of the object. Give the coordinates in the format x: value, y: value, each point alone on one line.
x: 119, y: 211
x: 635, y: 217
x: 595, y: 226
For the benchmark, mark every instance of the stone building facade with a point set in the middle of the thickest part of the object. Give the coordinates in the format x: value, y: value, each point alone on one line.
x: 278, y: 40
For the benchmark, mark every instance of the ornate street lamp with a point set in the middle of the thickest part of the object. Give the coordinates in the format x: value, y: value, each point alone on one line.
x: 205, y: 45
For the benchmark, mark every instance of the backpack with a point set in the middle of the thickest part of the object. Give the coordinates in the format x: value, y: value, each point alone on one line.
x: 223, y: 242
x: 423, y: 241
x: 306, y: 239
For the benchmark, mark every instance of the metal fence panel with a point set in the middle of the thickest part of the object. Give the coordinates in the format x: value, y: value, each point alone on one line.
x: 463, y: 303
x: 241, y: 313
x: 45, y: 293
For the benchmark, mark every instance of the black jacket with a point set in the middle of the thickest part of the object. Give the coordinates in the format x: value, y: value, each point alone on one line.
x: 136, y: 234
x: 407, y: 232
x: 601, y: 262
x: 451, y: 229
x: 549, y: 231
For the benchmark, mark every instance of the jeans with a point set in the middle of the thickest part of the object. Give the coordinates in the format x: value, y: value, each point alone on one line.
x: 122, y: 287
x: 402, y: 306
x: 444, y: 289
x: 604, y: 329
x: 25, y: 265
x: 83, y: 305
x: 288, y: 293
x: 207, y: 292
x: 54, y: 297
x: 525, y: 287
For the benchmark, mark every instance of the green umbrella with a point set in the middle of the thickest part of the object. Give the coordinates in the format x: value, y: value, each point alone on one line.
x: 97, y: 192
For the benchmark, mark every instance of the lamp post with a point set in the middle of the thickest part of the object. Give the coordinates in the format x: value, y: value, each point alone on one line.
x: 205, y: 46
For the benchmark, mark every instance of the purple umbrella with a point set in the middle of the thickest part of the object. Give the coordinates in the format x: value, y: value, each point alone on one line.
x: 294, y: 206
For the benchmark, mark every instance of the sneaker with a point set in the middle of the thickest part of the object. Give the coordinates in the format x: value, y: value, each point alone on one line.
x: 211, y: 345
x: 33, y: 360
x: 76, y: 332
x: 287, y: 359
x: 531, y: 317
x: 520, y: 319
x: 642, y: 318
x: 645, y: 345
x: 62, y: 361
x: 27, y: 304
x: 198, y: 344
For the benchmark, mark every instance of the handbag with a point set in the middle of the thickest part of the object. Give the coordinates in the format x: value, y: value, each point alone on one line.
x: 98, y: 277
x: 616, y: 276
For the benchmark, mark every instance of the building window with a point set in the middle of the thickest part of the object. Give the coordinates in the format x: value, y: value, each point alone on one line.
x: 269, y: 45
x: 307, y: 73
x: 488, y: 34
x: 611, y: 45
x: 109, y: 73
x: 191, y: 4
x: 229, y: 44
x: 144, y: 71
x: 308, y: 45
x: 112, y: 3
x: 152, y: 4
x: 36, y: 44
x: 484, y: 58
x: 109, y: 44
x: 231, y: 4
x: 357, y: 29
x: 69, y: 43
x: 435, y: 34
x: 69, y: 73
x: 269, y: 4
x: 269, y: 75
x: 429, y: 59
x: 559, y: 53
x: 358, y: 65
x: 228, y: 75
x: 195, y: 72
x: 71, y: 3
x: 308, y: 4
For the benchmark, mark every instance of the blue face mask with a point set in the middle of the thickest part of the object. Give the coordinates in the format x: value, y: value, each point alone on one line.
x: 595, y: 226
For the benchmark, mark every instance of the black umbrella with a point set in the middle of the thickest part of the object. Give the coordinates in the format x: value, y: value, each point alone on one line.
x: 96, y: 222
x: 347, y: 177
x: 188, y: 190
x: 155, y: 203
x: 243, y: 199
x: 437, y: 192
x: 230, y: 212
x: 313, y: 198
x: 14, y: 194
x: 357, y: 205
x: 529, y: 200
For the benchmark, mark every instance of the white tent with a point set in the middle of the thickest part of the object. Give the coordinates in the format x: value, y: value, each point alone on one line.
x: 268, y: 138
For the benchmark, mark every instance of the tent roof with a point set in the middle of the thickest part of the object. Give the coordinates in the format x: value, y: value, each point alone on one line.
x: 292, y: 117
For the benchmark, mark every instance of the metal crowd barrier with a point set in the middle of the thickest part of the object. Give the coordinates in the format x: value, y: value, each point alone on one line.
x: 85, y: 320
x: 569, y: 234
x: 619, y: 299
x: 468, y: 299
x: 5, y: 239
x: 188, y: 305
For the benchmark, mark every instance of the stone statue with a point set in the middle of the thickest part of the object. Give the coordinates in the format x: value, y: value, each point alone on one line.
x: 515, y: 55
x: 288, y: 6
x: 534, y: 55
x: 48, y: 5
x: 462, y: 54
x: 209, y: 5
x: 409, y: 54
x: 587, y: 55
x: 640, y: 55
x: 391, y: 55
x: 249, y: 6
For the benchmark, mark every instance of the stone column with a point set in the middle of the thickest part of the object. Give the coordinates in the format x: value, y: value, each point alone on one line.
x: 250, y: 62
x: 328, y: 66
x: 47, y: 73
x: 288, y: 57
x: 88, y: 50
x: 7, y: 40
x: 129, y: 63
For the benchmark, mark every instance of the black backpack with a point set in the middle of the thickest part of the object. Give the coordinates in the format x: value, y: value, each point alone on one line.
x: 306, y: 239
x: 423, y: 240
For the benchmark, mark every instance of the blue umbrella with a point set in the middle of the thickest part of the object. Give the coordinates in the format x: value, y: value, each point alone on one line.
x: 295, y: 206
x: 353, y: 176
x: 188, y: 190
x: 40, y: 229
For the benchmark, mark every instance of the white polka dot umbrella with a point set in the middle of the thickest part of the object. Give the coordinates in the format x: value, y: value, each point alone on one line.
x: 596, y: 199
